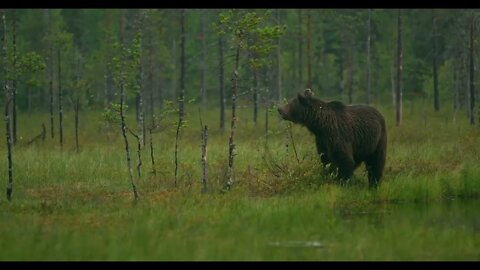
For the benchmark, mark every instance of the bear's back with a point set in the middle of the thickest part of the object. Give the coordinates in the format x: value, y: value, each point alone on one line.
x: 368, y: 127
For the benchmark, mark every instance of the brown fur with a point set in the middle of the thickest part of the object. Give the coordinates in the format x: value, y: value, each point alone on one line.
x: 345, y: 136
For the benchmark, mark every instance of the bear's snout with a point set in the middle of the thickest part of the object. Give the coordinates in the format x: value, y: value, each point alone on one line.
x: 284, y: 113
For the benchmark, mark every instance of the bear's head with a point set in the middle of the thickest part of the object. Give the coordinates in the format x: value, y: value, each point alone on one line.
x: 298, y: 107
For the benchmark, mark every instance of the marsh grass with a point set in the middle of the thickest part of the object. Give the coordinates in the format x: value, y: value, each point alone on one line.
x: 69, y: 206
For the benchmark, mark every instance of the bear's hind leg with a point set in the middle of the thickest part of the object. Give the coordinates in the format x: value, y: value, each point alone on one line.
x: 375, y: 164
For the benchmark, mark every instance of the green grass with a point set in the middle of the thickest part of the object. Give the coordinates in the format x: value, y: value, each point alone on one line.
x: 69, y: 206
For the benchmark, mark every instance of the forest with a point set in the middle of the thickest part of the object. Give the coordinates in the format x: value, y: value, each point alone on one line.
x: 153, y: 134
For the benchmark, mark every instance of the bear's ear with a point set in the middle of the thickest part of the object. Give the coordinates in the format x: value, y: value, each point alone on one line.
x: 308, y: 93
x: 336, y: 105
x: 303, y: 100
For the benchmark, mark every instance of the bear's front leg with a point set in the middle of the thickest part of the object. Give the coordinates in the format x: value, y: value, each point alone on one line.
x: 345, y: 164
x: 325, y: 162
x: 323, y: 156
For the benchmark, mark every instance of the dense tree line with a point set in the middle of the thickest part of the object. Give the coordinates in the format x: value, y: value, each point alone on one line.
x: 343, y: 54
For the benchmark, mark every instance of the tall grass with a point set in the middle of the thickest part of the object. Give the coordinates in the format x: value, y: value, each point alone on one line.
x: 79, y: 206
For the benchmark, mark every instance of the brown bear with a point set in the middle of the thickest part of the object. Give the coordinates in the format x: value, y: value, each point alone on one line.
x: 345, y: 135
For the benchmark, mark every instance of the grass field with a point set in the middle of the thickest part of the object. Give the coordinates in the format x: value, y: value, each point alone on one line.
x: 79, y: 206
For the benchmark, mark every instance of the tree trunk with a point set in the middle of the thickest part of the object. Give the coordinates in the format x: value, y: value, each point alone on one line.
x: 60, y: 110
x: 398, y: 92
x: 8, y: 101
x: 108, y: 67
x: 231, y: 143
x: 139, y: 152
x: 177, y: 135
x: 14, y: 75
x: 140, y: 91
x: 436, y: 102
x: 181, y: 99
x: 152, y: 156
x: 204, y: 158
x: 472, y: 69
x: 50, y: 66
x: 293, y: 83
x: 76, y: 107
x: 368, y: 56
x: 203, y: 64
x: 174, y: 78
x: 42, y: 95
x: 309, y: 50
x: 279, y: 74
x: 464, y: 93
x: 300, y: 47
x: 150, y: 82
x: 222, y: 87
x: 122, y: 114
x: 455, y: 92
x: 151, y: 87
x: 150, y: 60
x: 127, y: 148
x: 181, y: 111
x: 140, y: 106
